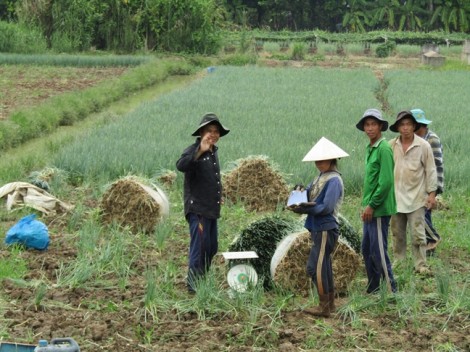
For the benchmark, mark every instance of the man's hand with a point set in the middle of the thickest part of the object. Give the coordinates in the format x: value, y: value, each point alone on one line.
x: 367, y: 214
x: 205, y: 145
x: 431, y: 201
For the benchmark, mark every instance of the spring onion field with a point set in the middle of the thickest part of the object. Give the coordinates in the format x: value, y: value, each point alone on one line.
x: 114, y: 291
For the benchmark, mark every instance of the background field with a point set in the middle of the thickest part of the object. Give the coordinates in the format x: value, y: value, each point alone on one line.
x: 281, y: 113
x: 112, y: 290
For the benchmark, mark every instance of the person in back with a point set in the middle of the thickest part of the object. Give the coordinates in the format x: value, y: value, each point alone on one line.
x: 378, y: 202
x: 432, y: 236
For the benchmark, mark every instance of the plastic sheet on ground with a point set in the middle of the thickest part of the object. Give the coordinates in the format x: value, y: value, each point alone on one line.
x: 20, y: 194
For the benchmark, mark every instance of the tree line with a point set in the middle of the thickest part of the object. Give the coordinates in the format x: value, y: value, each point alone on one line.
x: 195, y: 25
x: 353, y: 15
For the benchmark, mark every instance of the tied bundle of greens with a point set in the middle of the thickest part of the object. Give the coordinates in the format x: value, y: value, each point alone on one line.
x: 348, y: 233
x: 262, y: 236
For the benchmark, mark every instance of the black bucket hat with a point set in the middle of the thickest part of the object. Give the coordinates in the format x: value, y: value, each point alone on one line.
x: 209, y: 118
x: 376, y: 114
x: 401, y: 115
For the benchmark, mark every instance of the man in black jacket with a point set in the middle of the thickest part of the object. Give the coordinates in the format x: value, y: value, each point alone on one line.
x: 202, y: 195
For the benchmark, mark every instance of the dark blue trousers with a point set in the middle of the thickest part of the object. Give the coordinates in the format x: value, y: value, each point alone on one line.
x: 375, y: 253
x: 319, y: 264
x: 203, y: 246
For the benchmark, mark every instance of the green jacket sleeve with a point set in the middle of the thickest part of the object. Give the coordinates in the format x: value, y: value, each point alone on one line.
x: 384, y: 181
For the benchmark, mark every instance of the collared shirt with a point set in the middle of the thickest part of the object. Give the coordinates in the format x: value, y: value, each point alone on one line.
x: 436, y: 147
x: 202, y: 181
x: 379, y: 192
x: 415, y: 174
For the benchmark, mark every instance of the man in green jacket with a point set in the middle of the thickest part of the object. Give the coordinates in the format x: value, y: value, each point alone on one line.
x: 378, y: 202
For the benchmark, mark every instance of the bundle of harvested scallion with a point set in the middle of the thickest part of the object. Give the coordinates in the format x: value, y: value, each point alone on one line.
x: 262, y: 236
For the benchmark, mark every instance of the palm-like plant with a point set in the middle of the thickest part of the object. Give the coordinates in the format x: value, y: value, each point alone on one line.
x: 455, y: 13
x: 357, y: 17
x: 385, y: 13
x: 410, y: 16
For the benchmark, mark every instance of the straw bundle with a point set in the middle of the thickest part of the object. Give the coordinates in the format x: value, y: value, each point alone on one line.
x: 130, y: 203
x: 167, y: 178
x: 257, y: 184
x: 289, y: 262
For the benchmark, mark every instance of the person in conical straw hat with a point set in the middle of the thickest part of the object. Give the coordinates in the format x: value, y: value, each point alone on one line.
x: 325, y: 195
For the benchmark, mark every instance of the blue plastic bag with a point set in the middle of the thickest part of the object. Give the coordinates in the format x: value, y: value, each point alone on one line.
x: 29, y: 232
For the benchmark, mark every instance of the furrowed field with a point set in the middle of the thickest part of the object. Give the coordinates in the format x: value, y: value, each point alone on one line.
x: 112, y: 290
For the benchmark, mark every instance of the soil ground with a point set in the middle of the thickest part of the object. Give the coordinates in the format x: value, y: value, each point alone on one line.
x: 27, y: 86
x: 108, y: 318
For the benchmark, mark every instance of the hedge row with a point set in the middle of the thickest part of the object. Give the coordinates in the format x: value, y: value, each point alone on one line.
x: 412, y: 38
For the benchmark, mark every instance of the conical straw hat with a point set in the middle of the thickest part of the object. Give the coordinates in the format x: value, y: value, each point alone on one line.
x: 324, y: 150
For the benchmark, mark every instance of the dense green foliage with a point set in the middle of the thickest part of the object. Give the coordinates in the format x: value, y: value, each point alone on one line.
x: 385, y: 49
x: 19, y: 39
x: 122, y: 26
x: 195, y: 25
x: 353, y: 15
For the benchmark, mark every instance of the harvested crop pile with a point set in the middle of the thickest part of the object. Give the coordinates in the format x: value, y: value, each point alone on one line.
x: 167, y: 178
x: 289, y: 262
x: 130, y: 203
x: 262, y: 237
x: 257, y: 184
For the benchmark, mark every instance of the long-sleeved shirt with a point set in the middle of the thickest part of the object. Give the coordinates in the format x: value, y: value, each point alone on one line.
x: 436, y: 147
x: 202, y: 181
x: 323, y: 215
x: 379, y: 192
x: 415, y: 174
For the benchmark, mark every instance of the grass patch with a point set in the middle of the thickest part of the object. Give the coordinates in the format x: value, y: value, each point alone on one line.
x: 13, y: 266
